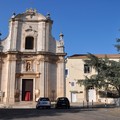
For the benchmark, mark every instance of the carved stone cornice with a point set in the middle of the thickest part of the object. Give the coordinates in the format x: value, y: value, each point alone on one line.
x: 45, y: 53
x: 11, y: 57
x: 28, y: 74
x: 61, y: 54
x: 12, y: 52
x: 27, y: 57
x: 61, y: 60
x: 48, y: 58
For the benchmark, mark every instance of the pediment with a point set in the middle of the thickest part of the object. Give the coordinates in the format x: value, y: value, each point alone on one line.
x: 30, y: 29
x: 30, y: 14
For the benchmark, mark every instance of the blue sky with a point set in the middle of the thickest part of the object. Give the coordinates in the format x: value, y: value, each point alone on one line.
x: 88, y: 25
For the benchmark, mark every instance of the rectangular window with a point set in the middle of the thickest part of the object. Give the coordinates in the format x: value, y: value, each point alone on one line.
x: 29, y: 42
x: 87, y: 68
x: 72, y: 84
x: 66, y: 72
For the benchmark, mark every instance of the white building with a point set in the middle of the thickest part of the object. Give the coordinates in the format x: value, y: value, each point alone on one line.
x: 32, y: 61
x: 77, y: 69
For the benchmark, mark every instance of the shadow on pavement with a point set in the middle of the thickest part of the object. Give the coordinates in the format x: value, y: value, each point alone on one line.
x: 26, y: 113
x: 31, y: 113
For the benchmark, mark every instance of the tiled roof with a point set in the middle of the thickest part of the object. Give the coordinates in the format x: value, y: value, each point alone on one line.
x: 82, y: 56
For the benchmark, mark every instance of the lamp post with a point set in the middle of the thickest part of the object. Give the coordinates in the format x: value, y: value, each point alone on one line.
x: 1, y: 49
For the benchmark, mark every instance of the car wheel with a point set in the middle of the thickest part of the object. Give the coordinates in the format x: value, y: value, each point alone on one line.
x: 56, y: 107
x: 37, y: 107
x: 68, y: 107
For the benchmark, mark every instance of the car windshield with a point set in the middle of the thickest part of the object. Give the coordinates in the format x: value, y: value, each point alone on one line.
x: 44, y: 99
x: 63, y: 99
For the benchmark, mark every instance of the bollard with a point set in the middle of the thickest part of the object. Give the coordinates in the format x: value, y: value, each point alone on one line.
x: 83, y: 104
x: 92, y: 103
x: 87, y: 104
x: 105, y: 104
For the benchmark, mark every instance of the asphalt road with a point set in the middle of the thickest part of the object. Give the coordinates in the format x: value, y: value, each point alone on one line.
x: 60, y: 114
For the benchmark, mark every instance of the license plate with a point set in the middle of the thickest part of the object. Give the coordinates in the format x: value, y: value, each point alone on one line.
x: 44, y: 102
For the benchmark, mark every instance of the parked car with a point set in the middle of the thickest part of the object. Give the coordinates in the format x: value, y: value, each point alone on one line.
x: 62, y: 102
x: 43, y: 102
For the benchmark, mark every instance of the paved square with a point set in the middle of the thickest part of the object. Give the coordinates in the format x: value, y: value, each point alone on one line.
x: 61, y: 114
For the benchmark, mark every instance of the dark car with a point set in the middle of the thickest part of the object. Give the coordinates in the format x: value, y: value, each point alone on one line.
x: 62, y: 102
x: 43, y: 102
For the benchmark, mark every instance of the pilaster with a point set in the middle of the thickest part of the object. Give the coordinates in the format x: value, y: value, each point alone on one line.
x: 42, y: 78
x: 43, y: 36
x: 61, y: 78
x: 14, y: 35
x: 47, y: 36
x: 44, y: 82
x: 11, y: 78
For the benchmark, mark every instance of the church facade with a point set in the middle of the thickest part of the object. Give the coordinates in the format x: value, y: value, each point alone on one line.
x: 32, y: 61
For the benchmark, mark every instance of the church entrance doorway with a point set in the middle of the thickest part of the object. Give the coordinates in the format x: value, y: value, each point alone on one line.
x: 27, y: 89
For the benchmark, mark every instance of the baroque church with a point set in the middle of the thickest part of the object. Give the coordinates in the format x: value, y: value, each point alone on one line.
x: 32, y: 62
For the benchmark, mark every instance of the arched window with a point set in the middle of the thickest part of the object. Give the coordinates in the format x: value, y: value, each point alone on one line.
x: 29, y: 42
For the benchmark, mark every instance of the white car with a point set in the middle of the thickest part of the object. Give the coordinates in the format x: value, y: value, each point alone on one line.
x: 43, y: 102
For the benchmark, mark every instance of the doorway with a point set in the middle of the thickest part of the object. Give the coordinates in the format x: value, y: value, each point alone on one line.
x: 92, y: 95
x: 73, y: 97
x: 27, y: 89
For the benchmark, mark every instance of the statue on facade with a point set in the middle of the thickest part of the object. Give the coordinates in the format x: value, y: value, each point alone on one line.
x: 28, y: 66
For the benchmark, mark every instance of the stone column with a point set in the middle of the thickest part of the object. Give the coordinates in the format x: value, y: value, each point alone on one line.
x: 42, y: 38
x: 44, y: 76
x: 39, y: 38
x: 61, y: 78
x: 47, y: 37
x: 14, y: 35
x: 11, y: 78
